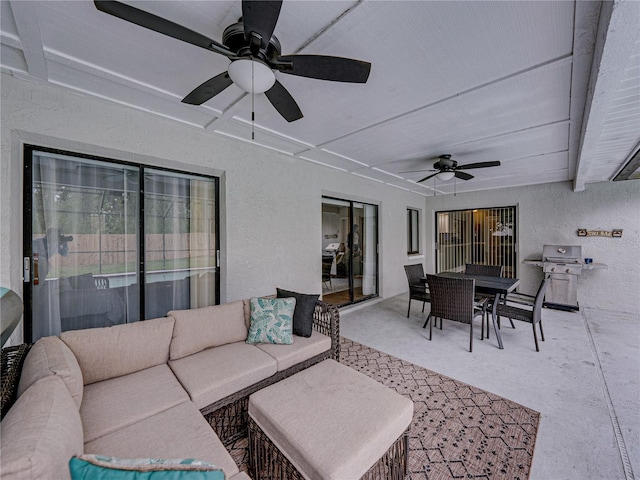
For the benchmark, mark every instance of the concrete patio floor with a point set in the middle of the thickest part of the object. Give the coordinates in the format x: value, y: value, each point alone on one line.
x: 585, y: 381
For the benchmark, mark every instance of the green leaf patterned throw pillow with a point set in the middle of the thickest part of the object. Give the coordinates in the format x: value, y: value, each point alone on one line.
x: 271, y: 320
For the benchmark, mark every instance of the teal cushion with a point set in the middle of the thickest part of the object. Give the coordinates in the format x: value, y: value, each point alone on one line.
x: 99, y: 467
x: 271, y: 320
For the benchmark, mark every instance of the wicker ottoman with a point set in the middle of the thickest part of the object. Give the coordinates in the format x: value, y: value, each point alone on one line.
x: 328, y: 422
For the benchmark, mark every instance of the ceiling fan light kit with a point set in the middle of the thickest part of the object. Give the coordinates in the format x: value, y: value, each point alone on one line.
x: 446, y: 176
x: 252, y: 76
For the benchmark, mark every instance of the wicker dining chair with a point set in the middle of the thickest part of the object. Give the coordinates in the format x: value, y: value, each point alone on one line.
x: 453, y: 299
x: 486, y: 301
x: 417, y: 288
x: 488, y: 270
x: 532, y: 315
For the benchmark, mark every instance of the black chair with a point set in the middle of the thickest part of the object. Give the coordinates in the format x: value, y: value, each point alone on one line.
x: 453, y: 299
x: 486, y: 301
x: 488, y: 270
x: 532, y: 315
x: 417, y: 287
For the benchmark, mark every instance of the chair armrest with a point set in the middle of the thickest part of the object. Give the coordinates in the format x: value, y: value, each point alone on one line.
x: 326, y: 320
x: 521, y: 298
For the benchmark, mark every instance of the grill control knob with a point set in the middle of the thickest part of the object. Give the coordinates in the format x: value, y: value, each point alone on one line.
x: 553, y: 269
x: 568, y: 270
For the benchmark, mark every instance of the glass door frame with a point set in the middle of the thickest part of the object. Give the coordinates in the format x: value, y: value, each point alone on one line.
x: 352, y: 206
x: 27, y: 226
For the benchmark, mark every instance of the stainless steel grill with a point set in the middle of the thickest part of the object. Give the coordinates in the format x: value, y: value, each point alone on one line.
x: 563, y: 264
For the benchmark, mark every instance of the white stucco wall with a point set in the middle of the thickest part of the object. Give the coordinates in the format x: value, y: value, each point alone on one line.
x: 271, y: 202
x: 551, y: 214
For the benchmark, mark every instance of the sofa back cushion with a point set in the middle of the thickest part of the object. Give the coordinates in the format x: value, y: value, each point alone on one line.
x: 41, y: 432
x: 51, y: 356
x: 202, y: 328
x: 109, y: 352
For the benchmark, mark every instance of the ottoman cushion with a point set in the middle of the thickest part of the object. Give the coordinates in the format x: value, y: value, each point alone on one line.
x: 330, y: 421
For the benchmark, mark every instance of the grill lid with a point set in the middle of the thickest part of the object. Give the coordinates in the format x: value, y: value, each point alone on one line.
x: 562, y: 253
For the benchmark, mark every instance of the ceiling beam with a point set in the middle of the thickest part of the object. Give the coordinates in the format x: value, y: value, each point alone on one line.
x: 617, y: 35
x: 586, y: 17
x: 25, y: 15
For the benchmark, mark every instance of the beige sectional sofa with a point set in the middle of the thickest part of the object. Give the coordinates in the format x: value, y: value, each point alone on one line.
x: 151, y: 389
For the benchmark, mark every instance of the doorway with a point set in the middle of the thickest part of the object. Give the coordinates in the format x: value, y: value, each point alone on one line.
x: 349, y: 251
x: 485, y: 236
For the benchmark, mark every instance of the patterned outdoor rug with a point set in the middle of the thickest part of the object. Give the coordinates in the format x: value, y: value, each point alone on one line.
x: 458, y: 431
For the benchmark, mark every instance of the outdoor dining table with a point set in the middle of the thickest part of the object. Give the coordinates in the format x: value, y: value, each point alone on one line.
x: 497, y: 286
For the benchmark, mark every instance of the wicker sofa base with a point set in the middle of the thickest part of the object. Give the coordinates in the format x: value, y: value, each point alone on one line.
x: 268, y: 462
x: 12, y: 360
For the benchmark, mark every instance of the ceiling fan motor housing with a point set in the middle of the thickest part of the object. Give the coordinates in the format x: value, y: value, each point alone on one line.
x: 445, y: 163
x: 233, y: 38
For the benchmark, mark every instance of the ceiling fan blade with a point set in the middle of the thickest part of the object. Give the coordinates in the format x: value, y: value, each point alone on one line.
x: 463, y: 175
x: 260, y: 17
x: 208, y: 89
x: 160, y: 25
x: 323, y: 67
x: 284, y: 103
x: 478, y: 165
x: 427, y: 178
x: 421, y: 170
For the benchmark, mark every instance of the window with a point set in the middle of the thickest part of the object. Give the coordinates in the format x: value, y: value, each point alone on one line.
x: 111, y: 242
x: 413, y: 231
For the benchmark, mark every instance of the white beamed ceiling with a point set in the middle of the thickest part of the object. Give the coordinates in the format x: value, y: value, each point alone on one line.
x: 549, y: 88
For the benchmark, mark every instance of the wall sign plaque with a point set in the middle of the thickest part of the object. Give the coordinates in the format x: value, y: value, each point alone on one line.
x: 583, y: 232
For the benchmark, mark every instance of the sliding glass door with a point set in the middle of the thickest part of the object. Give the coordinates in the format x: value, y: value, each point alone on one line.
x: 484, y: 236
x: 350, y: 251
x: 108, y: 243
x: 180, y: 242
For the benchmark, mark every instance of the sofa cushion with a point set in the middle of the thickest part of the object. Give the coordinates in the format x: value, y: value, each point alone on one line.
x: 201, y: 328
x: 303, y: 348
x: 117, y: 402
x: 104, y: 353
x: 303, y: 314
x: 271, y: 320
x: 100, y: 467
x: 179, y: 432
x: 215, y: 373
x: 240, y: 476
x: 51, y: 356
x: 41, y: 432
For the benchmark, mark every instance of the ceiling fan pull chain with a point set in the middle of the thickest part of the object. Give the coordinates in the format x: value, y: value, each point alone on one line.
x: 253, y: 111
